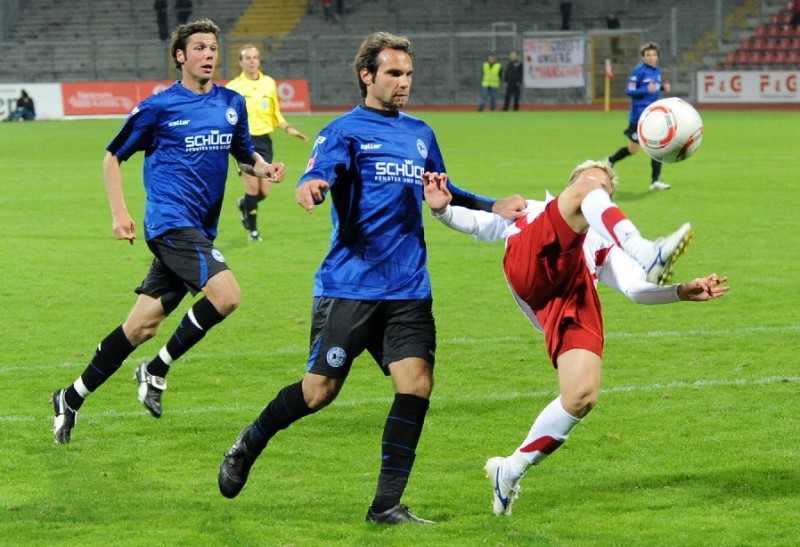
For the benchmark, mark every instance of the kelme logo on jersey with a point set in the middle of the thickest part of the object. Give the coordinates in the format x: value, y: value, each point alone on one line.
x: 231, y: 116
x: 336, y: 357
x: 213, y: 141
x: 422, y: 149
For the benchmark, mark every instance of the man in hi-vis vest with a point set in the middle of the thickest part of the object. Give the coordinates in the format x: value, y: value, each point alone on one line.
x: 490, y: 82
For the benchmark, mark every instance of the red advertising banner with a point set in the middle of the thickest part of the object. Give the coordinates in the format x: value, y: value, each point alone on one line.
x: 293, y: 96
x: 106, y: 98
x: 119, y: 98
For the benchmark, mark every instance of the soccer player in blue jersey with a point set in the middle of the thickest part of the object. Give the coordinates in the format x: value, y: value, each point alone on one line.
x: 372, y: 291
x: 644, y: 88
x: 186, y: 133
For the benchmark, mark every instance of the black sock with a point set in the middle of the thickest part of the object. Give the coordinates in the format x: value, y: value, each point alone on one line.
x: 398, y: 449
x: 285, y: 409
x: 108, y: 357
x: 655, y: 166
x: 620, y: 154
x: 187, y: 334
x: 251, y: 210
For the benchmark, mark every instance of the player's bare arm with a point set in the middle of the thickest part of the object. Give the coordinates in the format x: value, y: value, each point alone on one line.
x: 122, y: 223
x: 703, y: 288
x: 311, y: 193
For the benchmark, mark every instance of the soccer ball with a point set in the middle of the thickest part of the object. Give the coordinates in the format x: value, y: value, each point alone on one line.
x: 670, y: 130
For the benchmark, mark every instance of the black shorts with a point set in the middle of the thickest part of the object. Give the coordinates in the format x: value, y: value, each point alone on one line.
x: 184, y: 262
x: 632, y: 132
x: 263, y: 145
x: 391, y: 330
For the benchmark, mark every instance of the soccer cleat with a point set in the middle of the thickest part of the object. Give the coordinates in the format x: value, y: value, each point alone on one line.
x: 395, y: 515
x: 65, y: 417
x: 665, y: 251
x: 255, y: 236
x: 235, y: 467
x: 150, y: 389
x: 242, y: 213
x: 503, y: 494
x: 659, y: 185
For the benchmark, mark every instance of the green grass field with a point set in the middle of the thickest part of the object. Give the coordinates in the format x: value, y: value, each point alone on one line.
x: 694, y: 442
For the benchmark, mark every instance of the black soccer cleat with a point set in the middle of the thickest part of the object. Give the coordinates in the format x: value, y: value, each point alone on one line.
x: 150, y: 389
x: 65, y: 417
x: 396, y: 515
x: 235, y: 467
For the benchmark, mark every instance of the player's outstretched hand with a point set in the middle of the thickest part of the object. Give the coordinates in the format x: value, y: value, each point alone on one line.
x: 436, y: 193
x: 703, y: 288
x: 311, y: 193
x: 510, y: 208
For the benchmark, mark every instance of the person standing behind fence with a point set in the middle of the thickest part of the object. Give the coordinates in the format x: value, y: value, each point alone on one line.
x: 183, y: 10
x: 160, y: 7
x: 260, y: 92
x: 491, y: 73
x: 512, y: 76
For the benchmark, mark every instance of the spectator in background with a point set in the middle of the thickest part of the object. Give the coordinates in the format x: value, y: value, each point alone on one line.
x: 612, y: 22
x: 183, y: 10
x: 566, y: 13
x: 24, y: 110
x: 794, y: 22
x: 491, y: 73
x: 512, y: 76
x: 160, y: 7
x: 327, y: 10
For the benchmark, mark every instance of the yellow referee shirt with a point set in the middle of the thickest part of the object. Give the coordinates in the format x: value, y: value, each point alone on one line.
x: 261, y: 97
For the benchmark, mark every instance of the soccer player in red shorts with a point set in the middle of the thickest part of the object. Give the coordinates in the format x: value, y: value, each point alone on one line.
x: 555, y: 254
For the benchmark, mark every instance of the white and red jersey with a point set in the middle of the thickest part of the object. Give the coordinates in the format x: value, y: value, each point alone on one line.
x: 606, y: 261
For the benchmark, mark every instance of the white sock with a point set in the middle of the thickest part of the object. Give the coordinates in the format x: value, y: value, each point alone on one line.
x: 609, y: 220
x: 549, y: 431
x: 81, y: 388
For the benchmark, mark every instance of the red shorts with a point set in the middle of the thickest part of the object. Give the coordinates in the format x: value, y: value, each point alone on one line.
x: 545, y: 266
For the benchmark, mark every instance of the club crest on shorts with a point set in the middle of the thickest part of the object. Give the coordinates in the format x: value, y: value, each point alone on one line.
x: 217, y: 255
x: 336, y: 357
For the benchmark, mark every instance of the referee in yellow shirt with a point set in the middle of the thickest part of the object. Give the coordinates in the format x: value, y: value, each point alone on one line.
x: 263, y: 115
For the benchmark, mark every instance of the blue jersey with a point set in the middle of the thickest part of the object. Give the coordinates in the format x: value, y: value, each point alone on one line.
x: 638, y: 81
x: 373, y: 162
x: 186, y: 138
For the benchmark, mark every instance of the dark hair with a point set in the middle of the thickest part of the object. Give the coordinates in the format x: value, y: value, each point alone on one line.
x: 648, y: 46
x: 367, y: 56
x: 181, y: 35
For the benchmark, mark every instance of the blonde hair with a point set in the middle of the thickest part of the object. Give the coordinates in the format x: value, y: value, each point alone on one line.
x: 596, y: 164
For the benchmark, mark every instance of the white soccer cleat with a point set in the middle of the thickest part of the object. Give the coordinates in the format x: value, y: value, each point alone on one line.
x: 503, y: 494
x: 659, y: 185
x: 664, y: 252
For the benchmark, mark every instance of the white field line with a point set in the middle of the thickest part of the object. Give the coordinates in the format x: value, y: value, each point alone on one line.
x: 700, y: 384
x: 443, y: 342
x: 444, y: 400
